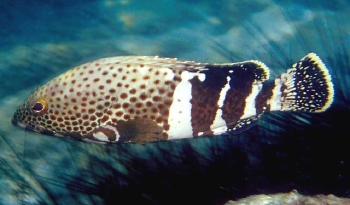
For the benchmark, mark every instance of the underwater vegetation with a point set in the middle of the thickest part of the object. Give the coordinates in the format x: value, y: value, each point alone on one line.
x: 283, y: 152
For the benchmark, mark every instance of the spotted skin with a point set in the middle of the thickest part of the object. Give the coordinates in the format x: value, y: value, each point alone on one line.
x: 145, y: 99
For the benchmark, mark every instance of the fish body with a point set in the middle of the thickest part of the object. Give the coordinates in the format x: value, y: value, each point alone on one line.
x: 144, y: 99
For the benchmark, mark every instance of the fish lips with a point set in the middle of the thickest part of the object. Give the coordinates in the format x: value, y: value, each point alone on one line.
x: 27, y: 127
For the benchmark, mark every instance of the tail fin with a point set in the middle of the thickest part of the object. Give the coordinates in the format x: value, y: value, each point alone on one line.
x: 307, y: 86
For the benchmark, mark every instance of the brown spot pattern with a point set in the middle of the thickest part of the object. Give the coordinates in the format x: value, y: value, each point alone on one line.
x: 240, y: 87
x: 205, y: 96
x: 263, y: 96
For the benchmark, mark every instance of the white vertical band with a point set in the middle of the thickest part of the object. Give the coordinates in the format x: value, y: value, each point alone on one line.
x: 219, y: 122
x: 275, y: 100
x: 249, y: 109
x: 180, y: 110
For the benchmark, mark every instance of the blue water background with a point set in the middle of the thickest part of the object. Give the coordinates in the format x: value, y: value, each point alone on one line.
x: 285, y: 151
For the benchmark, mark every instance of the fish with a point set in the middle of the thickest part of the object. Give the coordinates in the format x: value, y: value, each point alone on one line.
x: 141, y: 99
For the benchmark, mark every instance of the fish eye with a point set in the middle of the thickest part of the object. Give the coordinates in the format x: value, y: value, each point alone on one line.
x: 37, y: 107
x: 40, y: 107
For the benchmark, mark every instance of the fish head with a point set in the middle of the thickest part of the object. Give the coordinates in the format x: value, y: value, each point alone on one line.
x: 49, y: 108
x: 33, y: 114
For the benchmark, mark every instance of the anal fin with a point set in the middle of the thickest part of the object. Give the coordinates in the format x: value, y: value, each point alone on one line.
x: 236, y: 127
x: 243, y: 125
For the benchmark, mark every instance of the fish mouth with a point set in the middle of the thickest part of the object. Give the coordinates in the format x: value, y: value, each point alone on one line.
x: 32, y: 129
x: 20, y: 124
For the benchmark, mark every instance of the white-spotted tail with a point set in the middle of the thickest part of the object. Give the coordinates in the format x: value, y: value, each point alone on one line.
x: 306, y: 86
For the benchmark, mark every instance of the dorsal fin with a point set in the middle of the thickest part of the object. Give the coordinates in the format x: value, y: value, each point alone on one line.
x: 243, y: 70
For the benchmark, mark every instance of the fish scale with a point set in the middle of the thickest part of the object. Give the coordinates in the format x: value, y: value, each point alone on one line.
x: 145, y: 99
